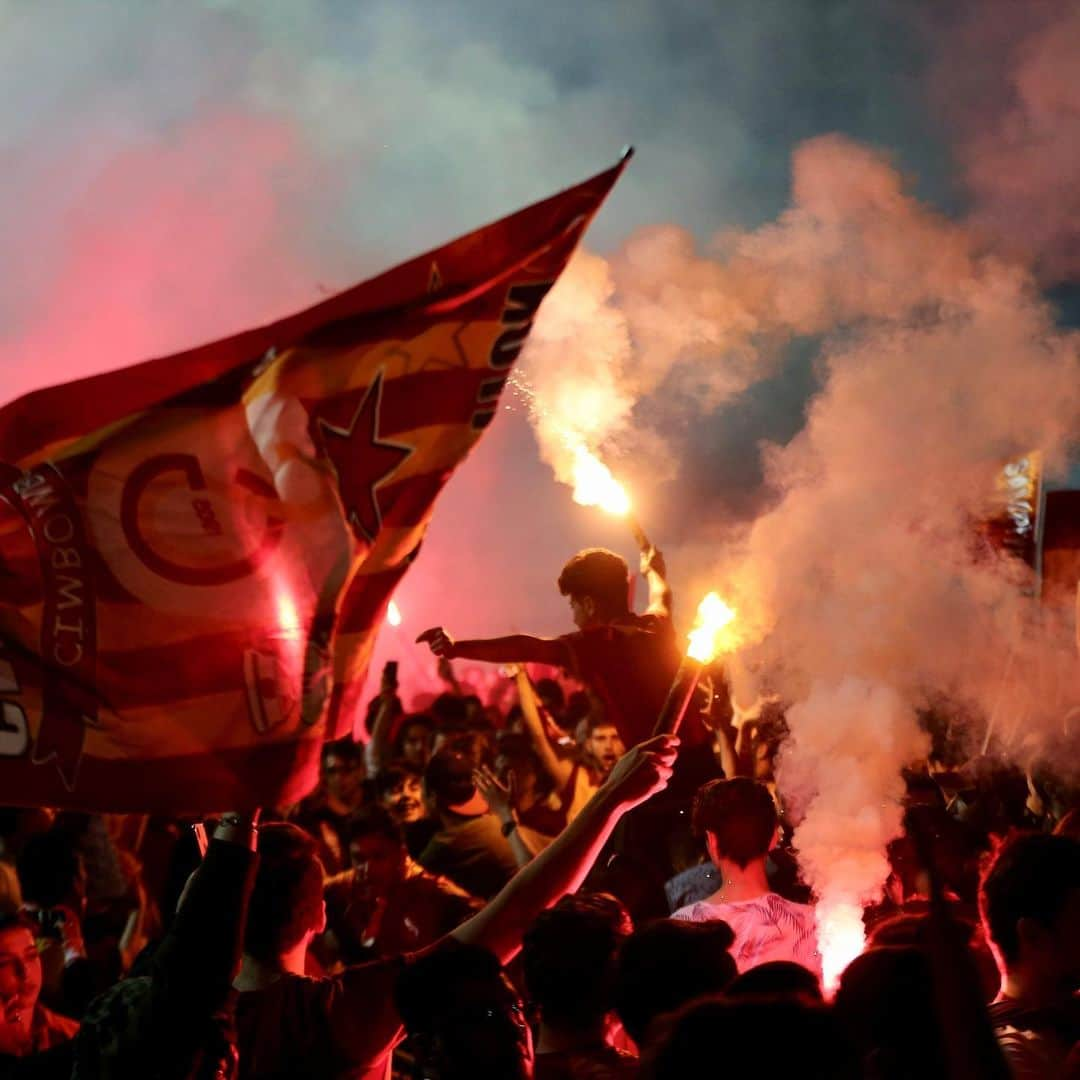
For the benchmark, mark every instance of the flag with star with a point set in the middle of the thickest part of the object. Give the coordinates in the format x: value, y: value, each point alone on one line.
x: 197, y: 552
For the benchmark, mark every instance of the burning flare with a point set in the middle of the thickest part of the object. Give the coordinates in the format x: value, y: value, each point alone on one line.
x: 393, y: 614
x: 841, y: 937
x: 595, y: 486
x: 707, y: 638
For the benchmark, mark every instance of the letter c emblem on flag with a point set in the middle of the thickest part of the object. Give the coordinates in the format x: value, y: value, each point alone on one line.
x: 185, y: 574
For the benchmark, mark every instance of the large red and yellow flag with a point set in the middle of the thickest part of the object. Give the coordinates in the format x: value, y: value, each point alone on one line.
x: 196, y: 553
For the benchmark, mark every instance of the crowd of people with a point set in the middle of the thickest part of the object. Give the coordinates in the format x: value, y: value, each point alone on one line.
x: 535, y: 885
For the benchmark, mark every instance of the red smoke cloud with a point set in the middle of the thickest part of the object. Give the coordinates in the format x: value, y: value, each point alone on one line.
x: 173, y: 242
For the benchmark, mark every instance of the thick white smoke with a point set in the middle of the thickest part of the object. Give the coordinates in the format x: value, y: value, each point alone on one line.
x: 861, y: 588
x: 840, y: 774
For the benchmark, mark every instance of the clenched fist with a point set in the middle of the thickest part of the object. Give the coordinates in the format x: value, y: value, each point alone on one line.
x: 439, y: 641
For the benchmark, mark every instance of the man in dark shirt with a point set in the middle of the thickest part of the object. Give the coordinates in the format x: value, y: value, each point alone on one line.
x: 325, y: 813
x: 569, y: 965
x: 387, y: 903
x: 627, y: 660
x: 470, y: 847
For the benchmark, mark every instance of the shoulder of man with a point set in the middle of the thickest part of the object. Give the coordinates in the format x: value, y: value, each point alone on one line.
x: 698, y: 911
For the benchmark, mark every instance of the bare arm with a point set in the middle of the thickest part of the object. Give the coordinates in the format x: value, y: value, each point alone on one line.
x: 377, y: 753
x: 654, y: 571
x: 501, y: 799
x: 513, y: 649
x: 561, y: 867
x: 559, y: 769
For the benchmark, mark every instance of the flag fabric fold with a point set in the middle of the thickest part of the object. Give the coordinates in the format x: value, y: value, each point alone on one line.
x: 197, y: 552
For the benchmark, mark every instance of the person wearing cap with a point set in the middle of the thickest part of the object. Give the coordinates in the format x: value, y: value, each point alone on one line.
x: 470, y: 847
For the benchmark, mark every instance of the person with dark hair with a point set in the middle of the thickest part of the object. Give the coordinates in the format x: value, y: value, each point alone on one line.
x: 916, y: 931
x: 291, y: 1025
x: 663, y: 966
x: 739, y: 822
x: 399, y: 790
x: 325, y: 814
x: 477, y: 746
x: 464, y: 1018
x: 568, y: 959
x: 627, y: 660
x: 885, y: 1002
x: 768, y: 1038
x: 414, y: 739
x: 1029, y: 900
x: 782, y: 977
x: 470, y: 847
x: 450, y: 712
x: 386, y: 903
x: 26, y: 1025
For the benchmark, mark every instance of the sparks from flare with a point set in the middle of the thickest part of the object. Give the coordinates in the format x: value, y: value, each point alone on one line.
x: 592, y: 481
x: 393, y: 614
x: 710, y: 635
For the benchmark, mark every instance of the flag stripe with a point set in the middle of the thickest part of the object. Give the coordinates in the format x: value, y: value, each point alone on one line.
x: 58, y: 413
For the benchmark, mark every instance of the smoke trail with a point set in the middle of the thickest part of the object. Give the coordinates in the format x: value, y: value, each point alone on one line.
x: 840, y: 773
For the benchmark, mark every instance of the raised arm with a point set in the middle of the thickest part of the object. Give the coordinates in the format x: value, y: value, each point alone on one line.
x: 654, y: 571
x: 514, y: 649
x: 377, y: 753
x: 559, y: 769
x: 561, y: 867
x: 501, y: 798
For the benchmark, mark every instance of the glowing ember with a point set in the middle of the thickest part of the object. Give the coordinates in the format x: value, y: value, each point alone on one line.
x: 393, y: 614
x: 595, y: 486
x: 713, y: 618
x: 841, y: 937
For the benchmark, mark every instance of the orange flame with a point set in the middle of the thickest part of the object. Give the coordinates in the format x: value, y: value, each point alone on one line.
x: 393, y: 614
x: 595, y: 486
x: 707, y: 638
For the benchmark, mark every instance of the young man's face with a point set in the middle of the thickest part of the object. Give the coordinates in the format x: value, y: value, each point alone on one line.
x: 416, y: 745
x: 343, y: 777
x: 405, y: 800
x: 20, y: 972
x: 605, y: 746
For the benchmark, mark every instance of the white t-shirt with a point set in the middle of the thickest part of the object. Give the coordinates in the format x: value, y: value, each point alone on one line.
x: 766, y: 928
